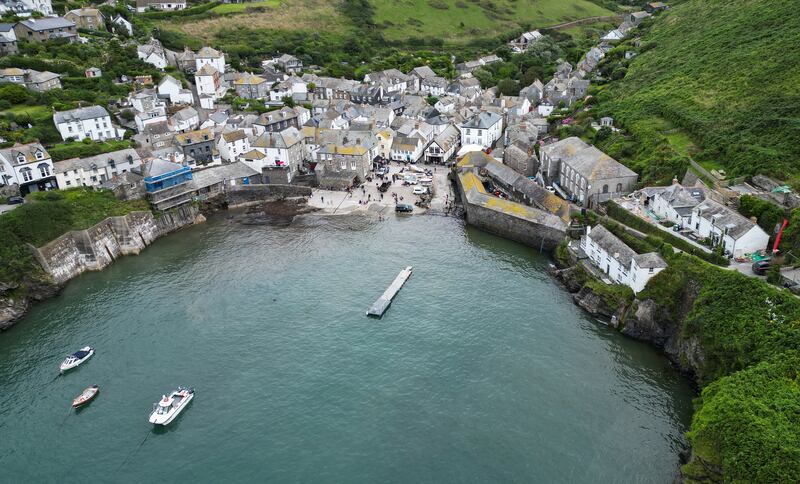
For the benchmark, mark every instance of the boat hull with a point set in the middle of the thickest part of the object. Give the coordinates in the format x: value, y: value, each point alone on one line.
x: 68, y: 366
x: 84, y: 398
x: 166, y: 419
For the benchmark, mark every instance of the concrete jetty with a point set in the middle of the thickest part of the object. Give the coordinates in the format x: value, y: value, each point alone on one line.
x: 382, y: 304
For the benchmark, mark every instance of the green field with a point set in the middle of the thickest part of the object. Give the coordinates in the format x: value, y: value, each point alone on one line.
x: 462, y: 20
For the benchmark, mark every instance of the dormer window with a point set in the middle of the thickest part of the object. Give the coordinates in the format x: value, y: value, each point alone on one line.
x: 39, y: 155
x: 20, y: 158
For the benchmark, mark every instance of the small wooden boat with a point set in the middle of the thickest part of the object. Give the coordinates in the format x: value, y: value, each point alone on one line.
x: 86, y: 397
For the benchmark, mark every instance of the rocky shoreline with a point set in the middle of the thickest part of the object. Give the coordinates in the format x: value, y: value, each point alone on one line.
x: 644, y: 320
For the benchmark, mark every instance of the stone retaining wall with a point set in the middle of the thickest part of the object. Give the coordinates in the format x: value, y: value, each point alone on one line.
x: 242, y: 195
x: 98, y: 246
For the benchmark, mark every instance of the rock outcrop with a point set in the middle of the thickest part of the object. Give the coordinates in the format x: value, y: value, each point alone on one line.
x: 642, y: 319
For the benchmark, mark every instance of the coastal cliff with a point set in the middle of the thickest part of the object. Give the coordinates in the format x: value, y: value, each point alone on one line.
x: 737, y: 338
x: 642, y: 319
x: 91, y: 249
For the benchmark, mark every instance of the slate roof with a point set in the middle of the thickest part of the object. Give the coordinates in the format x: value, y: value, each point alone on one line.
x: 47, y: 23
x: 483, y: 120
x: 232, y: 136
x: 158, y: 166
x: 217, y: 174
x: 98, y: 161
x: 615, y: 248
x: 193, y: 137
x: 208, y: 53
x: 423, y: 72
x: 207, y: 70
x: 650, y: 260
x: 281, y: 140
x: 587, y: 160
x: 80, y: 114
x: 185, y: 114
x: 28, y: 150
x: 724, y: 218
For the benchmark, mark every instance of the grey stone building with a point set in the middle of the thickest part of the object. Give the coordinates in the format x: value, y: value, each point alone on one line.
x: 585, y: 173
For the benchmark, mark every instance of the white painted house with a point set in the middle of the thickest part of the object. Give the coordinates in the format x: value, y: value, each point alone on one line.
x: 279, y: 149
x: 724, y: 226
x: 483, y: 129
x: 94, y: 170
x: 91, y: 122
x: 443, y: 146
x: 171, y: 88
x: 28, y: 166
x: 233, y: 144
x: 153, y: 53
x: 123, y: 25
x: 210, y: 57
x: 618, y: 261
x: 208, y: 82
x: 675, y: 203
x: 407, y: 149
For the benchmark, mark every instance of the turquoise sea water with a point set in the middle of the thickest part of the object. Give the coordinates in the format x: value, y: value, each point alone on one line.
x: 482, y: 370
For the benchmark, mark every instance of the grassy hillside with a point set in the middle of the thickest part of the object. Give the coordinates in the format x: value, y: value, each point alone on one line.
x: 745, y: 427
x: 345, y: 35
x: 716, y: 80
x: 459, y: 21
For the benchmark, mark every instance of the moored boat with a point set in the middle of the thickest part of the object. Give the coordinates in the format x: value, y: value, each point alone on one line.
x: 86, y: 396
x: 171, y: 405
x: 76, y: 358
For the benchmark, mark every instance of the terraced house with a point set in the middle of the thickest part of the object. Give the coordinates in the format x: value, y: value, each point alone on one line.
x: 29, y: 166
x: 95, y: 170
x: 198, y: 146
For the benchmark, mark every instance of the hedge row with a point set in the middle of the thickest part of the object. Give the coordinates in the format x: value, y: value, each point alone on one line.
x: 620, y: 214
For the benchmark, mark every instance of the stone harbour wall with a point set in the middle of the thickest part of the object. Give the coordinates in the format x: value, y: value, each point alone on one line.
x: 526, y: 225
x: 96, y: 247
x: 532, y: 234
x: 242, y: 195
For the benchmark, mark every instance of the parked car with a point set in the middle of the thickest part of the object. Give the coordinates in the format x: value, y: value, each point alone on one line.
x: 760, y: 267
x: 420, y: 190
x: 426, y: 181
x: 403, y: 207
x: 550, y: 189
x: 15, y: 200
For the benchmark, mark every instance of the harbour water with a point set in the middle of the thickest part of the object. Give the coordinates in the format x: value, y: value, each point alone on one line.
x: 482, y: 370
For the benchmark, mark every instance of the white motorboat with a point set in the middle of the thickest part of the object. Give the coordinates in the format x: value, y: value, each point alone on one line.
x: 77, y: 358
x: 171, y: 405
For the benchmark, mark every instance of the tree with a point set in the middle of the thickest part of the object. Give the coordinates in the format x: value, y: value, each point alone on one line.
x: 288, y: 101
x: 508, y: 87
x: 432, y: 99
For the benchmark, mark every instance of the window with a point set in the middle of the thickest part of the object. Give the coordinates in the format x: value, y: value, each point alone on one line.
x: 20, y: 158
x: 44, y: 169
x: 619, y: 187
x: 651, y: 270
x: 605, y: 188
x: 27, y: 174
x: 68, y: 183
x: 343, y: 165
